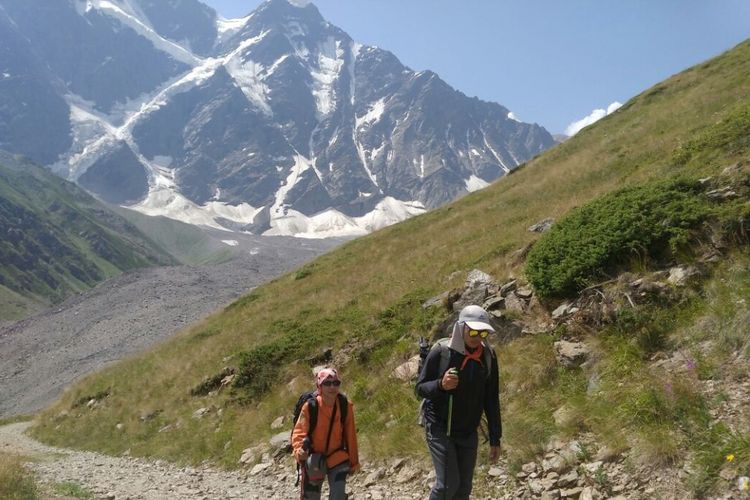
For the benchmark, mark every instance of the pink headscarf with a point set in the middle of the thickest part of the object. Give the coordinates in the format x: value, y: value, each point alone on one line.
x: 326, y: 373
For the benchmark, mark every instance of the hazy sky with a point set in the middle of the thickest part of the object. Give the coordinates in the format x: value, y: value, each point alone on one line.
x: 552, y: 62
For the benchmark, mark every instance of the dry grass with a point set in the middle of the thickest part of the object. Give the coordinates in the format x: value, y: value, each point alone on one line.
x: 16, y: 483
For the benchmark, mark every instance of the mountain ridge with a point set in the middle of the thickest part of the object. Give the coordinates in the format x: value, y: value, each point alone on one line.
x: 285, y: 125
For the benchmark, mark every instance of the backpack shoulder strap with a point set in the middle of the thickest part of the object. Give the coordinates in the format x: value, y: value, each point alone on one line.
x: 312, y: 405
x: 445, y: 354
x: 489, y: 354
x: 344, y: 404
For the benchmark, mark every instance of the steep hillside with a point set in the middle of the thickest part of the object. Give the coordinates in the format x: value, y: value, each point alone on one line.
x: 365, y: 301
x: 58, y: 240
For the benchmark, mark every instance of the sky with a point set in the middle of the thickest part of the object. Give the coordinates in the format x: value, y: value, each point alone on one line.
x: 558, y: 63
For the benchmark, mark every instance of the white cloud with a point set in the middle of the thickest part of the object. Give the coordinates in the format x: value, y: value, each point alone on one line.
x: 513, y: 116
x: 595, y: 115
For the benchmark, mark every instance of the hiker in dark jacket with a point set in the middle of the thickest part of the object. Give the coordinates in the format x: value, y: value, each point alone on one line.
x: 455, y: 400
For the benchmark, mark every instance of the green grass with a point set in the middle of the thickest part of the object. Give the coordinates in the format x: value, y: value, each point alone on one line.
x: 58, y: 240
x: 16, y: 483
x: 364, y: 300
x: 72, y: 489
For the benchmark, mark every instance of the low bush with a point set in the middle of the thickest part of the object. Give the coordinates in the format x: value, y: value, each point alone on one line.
x: 649, y: 222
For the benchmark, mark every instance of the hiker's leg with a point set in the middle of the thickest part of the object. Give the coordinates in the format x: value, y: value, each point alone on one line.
x: 337, y: 482
x: 311, y: 492
x: 466, y: 458
x: 443, y: 455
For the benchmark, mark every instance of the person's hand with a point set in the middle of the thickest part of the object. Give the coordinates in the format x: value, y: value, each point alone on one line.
x: 301, y: 455
x: 449, y: 381
x: 494, y: 453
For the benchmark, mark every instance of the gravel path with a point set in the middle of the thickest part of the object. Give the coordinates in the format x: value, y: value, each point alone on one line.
x: 122, y: 478
x: 131, y: 478
x: 39, y: 356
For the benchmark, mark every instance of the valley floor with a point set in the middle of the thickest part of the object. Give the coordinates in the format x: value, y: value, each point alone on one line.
x: 127, y: 314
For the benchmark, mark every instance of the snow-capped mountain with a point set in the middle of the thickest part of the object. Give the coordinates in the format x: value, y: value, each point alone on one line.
x: 277, y: 123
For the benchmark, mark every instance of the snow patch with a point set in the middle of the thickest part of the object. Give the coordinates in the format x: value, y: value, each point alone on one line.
x: 329, y: 64
x: 279, y: 209
x: 164, y: 200
x: 332, y: 223
x: 249, y: 74
x: 373, y: 114
x: 474, y: 183
x: 132, y: 18
x: 595, y: 116
x: 299, y: 3
x: 513, y: 117
x: 231, y: 243
x: 227, y: 28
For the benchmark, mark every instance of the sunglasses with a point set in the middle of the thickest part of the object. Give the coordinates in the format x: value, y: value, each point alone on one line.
x: 481, y: 333
x: 329, y: 383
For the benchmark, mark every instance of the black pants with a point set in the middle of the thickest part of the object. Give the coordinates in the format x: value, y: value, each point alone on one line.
x: 454, y: 459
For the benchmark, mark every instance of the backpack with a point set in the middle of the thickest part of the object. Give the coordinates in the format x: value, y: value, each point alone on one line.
x: 445, y: 357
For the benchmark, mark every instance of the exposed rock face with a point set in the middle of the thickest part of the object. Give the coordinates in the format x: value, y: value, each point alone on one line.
x: 281, y: 111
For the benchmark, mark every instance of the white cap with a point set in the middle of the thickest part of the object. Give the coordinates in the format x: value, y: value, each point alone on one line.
x: 476, y: 318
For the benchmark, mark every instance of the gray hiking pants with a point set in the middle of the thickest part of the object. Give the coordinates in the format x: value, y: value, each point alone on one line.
x: 454, y: 459
x: 336, y: 484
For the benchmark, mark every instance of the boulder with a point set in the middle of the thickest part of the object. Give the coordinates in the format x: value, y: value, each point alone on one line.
x: 571, y: 354
x: 279, y: 440
x: 407, y: 371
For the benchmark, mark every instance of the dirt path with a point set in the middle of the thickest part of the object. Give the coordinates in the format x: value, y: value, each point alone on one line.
x: 132, y: 478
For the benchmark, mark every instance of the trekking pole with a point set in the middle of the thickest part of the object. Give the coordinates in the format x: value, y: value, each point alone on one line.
x: 450, y: 414
x: 450, y: 405
x: 307, y: 446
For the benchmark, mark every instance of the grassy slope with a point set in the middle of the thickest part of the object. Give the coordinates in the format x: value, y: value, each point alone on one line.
x: 58, y: 239
x: 365, y: 295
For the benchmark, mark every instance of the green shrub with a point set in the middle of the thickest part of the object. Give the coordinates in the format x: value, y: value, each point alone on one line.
x: 644, y: 222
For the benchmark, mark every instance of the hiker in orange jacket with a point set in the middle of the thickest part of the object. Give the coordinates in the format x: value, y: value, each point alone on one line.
x: 337, y: 443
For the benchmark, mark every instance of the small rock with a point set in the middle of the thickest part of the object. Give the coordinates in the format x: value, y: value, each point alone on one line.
x: 201, y: 412
x: 542, y: 225
x: 571, y: 354
x: 248, y: 456
x: 278, y: 423
x: 573, y: 492
x: 408, y: 370
x: 529, y: 467
x: 120, y: 427
x: 259, y: 468
x: 495, y: 472
x: 561, y: 311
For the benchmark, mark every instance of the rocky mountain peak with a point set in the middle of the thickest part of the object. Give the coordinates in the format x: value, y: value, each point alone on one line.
x: 277, y: 123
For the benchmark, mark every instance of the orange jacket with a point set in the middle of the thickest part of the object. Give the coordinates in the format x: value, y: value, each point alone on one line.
x: 336, y: 453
